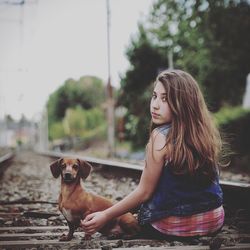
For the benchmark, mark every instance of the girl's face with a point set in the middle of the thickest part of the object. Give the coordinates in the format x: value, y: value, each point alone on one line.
x: 159, y: 108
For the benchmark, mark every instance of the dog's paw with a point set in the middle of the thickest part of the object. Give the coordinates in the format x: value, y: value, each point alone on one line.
x: 87, y: 237
x: 65, y: 237
x: 114, y: 236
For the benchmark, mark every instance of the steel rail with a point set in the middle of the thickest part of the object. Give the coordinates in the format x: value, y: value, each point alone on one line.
x: 6, y: 157
x: 125, y: 165
x: 17, y: 237
x: 235, y: 193
x: 5, y: 160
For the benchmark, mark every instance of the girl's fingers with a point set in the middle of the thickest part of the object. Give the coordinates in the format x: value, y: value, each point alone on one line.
x: 91, y: 231
x: 87, y: 221
x: 89, y: 217
x: 92, y: 222
x: 88, y: 226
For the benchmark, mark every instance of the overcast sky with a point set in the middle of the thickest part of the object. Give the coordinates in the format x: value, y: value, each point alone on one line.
x: 45, y: 42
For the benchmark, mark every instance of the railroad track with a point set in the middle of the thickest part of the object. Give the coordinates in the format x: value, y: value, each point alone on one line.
x: 235, y: 193
x: 35, y: 222
x: 5, y: 160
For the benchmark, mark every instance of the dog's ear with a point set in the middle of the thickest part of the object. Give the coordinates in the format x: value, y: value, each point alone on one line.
x: 55, y: 168
x: 85, y: 168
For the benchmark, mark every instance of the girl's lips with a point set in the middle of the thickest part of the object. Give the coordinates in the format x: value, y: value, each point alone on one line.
x: 154, y: 115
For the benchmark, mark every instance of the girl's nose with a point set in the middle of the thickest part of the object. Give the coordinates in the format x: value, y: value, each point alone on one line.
x: 156, y: 104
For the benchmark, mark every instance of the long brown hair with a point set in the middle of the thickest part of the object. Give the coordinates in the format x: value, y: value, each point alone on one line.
x: 193, y: 142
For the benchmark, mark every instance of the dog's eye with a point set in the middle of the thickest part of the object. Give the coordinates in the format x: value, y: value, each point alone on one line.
x: 75, y: 166
x: 63, y: 166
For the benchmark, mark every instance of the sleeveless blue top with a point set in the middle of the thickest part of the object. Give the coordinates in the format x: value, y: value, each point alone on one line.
x: 179, y: 195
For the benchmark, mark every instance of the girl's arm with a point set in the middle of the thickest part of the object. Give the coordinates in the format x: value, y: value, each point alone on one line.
x: 155, y: 158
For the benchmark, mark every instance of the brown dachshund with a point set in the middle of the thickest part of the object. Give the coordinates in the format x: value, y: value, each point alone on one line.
x: 75, y: 203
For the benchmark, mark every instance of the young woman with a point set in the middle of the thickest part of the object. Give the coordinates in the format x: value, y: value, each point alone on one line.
x: 179, y: 192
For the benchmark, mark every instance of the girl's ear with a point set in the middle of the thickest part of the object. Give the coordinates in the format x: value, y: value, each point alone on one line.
x: 55, y: 168
x: 85, y: 168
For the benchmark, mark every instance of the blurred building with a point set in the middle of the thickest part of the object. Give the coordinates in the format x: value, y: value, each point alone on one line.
x: 17, y: 133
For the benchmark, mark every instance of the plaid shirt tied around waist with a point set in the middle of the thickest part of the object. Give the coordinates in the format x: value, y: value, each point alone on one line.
x: 194, y: 225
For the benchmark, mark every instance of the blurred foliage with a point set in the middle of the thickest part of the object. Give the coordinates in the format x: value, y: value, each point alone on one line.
x: 229, y: 24
x: 227, y: 115
x: 87, y: 92
x: 80, y: 126
x: 80, y: 122
x: 56, y: 131
x: 209, y: 39
x: 136, y: 86
x: 75, y: 111
x: 233, y: 122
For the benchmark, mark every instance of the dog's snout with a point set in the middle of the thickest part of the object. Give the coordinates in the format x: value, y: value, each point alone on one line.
x: 68, y: 176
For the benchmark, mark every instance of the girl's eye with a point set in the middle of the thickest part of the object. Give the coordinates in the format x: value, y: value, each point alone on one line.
x: 164, y: 99
x: 154, y: 96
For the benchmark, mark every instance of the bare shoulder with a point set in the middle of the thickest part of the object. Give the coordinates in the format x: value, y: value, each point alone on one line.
x: 157, y: 142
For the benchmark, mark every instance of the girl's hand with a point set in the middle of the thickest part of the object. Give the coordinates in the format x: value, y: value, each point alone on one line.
x: 93, y: 222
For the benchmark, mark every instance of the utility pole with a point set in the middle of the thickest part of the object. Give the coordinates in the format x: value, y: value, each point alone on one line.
x: 110, y: 99
x: 170, y: 59
x: 43, y: 131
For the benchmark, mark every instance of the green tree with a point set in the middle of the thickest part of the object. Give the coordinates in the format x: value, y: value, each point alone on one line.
x: 78, y: 121
x: 146, y: 62
x: 74, y: 122
x: 56, y: 131
x: 208, y: 38
x: 229, y: 24
x: 87, y: 92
